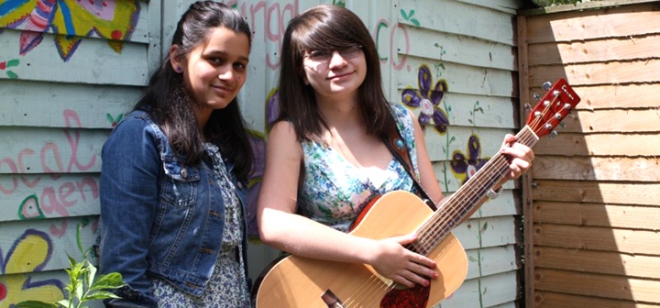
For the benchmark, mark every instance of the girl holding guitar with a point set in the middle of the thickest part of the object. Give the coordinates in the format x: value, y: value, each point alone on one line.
x: 326, y: 158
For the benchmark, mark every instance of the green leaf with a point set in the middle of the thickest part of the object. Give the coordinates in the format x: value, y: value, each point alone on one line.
x: 91, y: 273
x: 13, y: 62
x: 99, y: 295
x: 64, y: 303
x: 34, y: 304
x: 403, y: 13
x: 415, y: 21
x: 12, y: 75
x: 78, y: 241
x: 109, y: 281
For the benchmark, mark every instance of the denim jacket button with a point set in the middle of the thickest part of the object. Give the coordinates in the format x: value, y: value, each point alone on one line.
x: 239, y: 185
x: 184, y: 173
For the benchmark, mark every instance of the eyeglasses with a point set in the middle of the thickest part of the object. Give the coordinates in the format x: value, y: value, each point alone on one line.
x: 322, y: 55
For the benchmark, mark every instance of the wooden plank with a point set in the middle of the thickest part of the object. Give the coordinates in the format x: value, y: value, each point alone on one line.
x: 155, y: 53
x: 570, y: 144
x: 473, y: 110
x: 605, y: 50
x: 460, y: 78
x: 38, y: 150
x: 486, y: 232
x: 595, y: 238
x: 590, y: 5
x: 632, y: 169
x: 553, y: 300
x: 484, y: 23
x: 442, y: 147
x: 491, y: 261
x: 613, y: 121
x: 580, y: 26
x: 93, y: 62
x: 505, y: 6
x: 640, y: 290
x: 94, y: 106
x: 430, y: 44
x: 647, y: 194
x: 597, y: 262
x: 44, y: 286
x: 598, y: 215
x: 118, y: 20
x: 618, y: 96
x: 487, y: 291
x: 526, y: 180
x: 639, y: 71
x: 49, y: 242
x: 513, y: 304
x: 42, y: 196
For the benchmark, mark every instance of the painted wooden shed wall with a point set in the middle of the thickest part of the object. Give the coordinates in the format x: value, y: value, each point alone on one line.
x: 60, y: 97
x: 592, y: 220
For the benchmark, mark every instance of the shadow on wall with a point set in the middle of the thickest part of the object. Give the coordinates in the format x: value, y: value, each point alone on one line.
x: 589, y: 231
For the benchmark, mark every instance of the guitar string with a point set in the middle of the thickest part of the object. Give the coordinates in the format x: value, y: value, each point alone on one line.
x: 375, y: 289
x: 446, y: 219
x: 499, y: 164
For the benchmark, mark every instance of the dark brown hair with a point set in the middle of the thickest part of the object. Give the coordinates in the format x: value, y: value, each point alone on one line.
x: 324, y: 27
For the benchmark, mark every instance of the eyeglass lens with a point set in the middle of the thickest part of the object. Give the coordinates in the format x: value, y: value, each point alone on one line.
x: 323, y: 55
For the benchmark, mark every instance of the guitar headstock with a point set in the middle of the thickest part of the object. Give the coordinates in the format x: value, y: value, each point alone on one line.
x: 552, y: 108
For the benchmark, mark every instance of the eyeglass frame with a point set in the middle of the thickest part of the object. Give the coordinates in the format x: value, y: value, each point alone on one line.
x: 347, y: 52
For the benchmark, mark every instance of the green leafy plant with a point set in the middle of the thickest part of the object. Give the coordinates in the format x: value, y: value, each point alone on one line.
x: 83, y: 285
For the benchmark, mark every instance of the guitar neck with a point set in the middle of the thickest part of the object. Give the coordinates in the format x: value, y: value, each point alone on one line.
x: 466, y: 199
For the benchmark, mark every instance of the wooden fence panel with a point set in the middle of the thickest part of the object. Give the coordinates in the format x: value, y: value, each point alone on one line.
x: 591, y: 217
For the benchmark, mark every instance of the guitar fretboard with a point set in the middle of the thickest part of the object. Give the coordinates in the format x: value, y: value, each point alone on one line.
x: 461, y: 203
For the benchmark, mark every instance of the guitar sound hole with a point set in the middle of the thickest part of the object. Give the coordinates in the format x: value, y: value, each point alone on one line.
x: 418, y: 296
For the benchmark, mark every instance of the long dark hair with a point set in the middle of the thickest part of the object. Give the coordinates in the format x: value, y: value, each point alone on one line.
x: 323, y: 27
x: 171, y: 106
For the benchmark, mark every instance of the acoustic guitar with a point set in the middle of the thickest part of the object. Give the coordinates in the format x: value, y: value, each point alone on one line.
x: 307, y: 283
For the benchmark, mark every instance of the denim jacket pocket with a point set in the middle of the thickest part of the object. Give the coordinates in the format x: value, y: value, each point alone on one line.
x: 180, y: 183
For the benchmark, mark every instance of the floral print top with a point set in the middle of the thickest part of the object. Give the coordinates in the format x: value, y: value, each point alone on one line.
x: 228, y: 284
x: 334, y: 191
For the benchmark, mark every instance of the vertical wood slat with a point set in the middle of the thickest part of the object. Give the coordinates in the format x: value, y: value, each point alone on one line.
x: 523, y: 85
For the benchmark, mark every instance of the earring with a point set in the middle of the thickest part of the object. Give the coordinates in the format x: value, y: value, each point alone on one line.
x: 178, y: 69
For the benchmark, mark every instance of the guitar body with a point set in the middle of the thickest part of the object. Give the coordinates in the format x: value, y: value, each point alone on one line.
x: 302, y: 282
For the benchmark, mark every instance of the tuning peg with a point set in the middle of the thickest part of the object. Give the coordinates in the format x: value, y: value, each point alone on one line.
x: 553, y: 134
x: 537, y: 97
x: 547, y: 85
x: 528, y: 107
x: 562, y: 125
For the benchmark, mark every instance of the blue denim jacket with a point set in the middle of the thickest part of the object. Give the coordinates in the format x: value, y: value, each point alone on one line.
x: 159, y: 216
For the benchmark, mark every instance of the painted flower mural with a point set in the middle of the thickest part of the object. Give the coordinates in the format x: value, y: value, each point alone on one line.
x: 29, y: 253
x: 428, y: 100
x: 465, y: 167
x: 70, y: 20
x: 258, y: 143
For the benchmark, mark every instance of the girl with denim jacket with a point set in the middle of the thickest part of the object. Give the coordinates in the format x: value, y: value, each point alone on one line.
x: 174, y: 173
x: 325, y: 156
